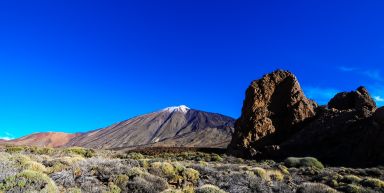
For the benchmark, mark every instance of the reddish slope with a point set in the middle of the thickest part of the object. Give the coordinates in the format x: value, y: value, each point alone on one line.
x: 49, y: 139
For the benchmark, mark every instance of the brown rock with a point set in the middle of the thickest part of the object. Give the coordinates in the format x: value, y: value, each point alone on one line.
x: 358, y: 99
x: 273, y: 106
x: 278, y: 121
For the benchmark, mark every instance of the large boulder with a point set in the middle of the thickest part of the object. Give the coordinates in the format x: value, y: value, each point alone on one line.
x: 358, y: 99
x: 273, y: 107
x: 278, y: 121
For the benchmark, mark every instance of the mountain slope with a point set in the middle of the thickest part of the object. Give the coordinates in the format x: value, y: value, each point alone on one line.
x: 173, y: 126
x: 48, y: 139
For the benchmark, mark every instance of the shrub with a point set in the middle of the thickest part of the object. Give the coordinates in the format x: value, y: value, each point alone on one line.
x: 121, y: 180
x: 135, y: 156
x: 14, y: 149
x: 283, y: 169
x: 191, y: 175
x: 275, y: 175
x: 208, y: 188
x: 35, y: 166
x: 351, y: 179
x: 303, y: 162
x: 352, y: 188
x: 373, y: 183
x: 112, y: 188
x: 26, y: 163
x: 260, y: 172
x: 41, y: 150
x: 64, y: 178
x: 74, y: 190
x: 6, y: 170
x: 167, y: 169
x: 315, y: 188
x: 133, y: 172
x: 146, y: 183
x: 29, y: 181
x: 215, y: 157
x: 88, y: 153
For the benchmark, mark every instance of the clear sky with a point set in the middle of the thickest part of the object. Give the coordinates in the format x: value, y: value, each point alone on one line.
x: 78, y: 65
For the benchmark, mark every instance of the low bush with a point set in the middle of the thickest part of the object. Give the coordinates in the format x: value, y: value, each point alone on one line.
x: 14, y: 149
x: 303, y: 162
x: 260, y: 172
x: 191, y: 175
x: 135, y: 156
x: 29, y: 181
x: 350, y: 179
x: 373, y: 183
x: 41, y: 150
x: 87, y: 153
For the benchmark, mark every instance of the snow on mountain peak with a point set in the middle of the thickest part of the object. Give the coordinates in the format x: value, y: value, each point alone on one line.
x: 181, y: 108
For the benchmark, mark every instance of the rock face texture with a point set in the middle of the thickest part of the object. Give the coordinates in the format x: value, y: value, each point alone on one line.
x: 273, y: 107
x: 170, y: 127
x: 348, y: 131
x: 358, y: 99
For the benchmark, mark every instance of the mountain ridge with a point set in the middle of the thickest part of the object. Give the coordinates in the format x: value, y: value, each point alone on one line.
x: 178, y: 126
x: 164, y: 125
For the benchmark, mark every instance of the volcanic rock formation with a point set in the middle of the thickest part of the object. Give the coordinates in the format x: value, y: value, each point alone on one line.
x: 348, y: 131
x: 274, y: 106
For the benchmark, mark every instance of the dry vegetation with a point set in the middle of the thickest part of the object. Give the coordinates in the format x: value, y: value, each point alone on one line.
x: 188, y: 170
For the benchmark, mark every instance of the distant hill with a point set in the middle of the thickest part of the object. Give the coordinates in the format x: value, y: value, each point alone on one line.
x: 48, y: 139
x: 174, y: 126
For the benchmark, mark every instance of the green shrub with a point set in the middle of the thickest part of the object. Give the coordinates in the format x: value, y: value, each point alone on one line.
x: 88, y: 153
x: 167, y: 169
x: 215, y: 157
x: 136, y: 156
x: 14, y: 149
x: 260, y: 172
x: 41, y: 150
x: 303, y: 162
x: 275, y: 175
x: 112, y: 188
x: 283, y: 169
x: 29, y: 181
x: 191, y: 175
x: 74, y: 190
x: 121, y: 180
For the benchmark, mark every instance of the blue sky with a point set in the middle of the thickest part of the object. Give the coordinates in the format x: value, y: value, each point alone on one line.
x: 80, y: 65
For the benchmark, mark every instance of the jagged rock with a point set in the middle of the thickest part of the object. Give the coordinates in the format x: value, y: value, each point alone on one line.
x: 358, y: 99
x: 278, y: 121
x: 273, y: 106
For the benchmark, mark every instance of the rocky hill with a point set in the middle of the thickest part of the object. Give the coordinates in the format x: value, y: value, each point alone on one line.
x: 173, y: 126
x: 278, y: 121
x: 48, y: 139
